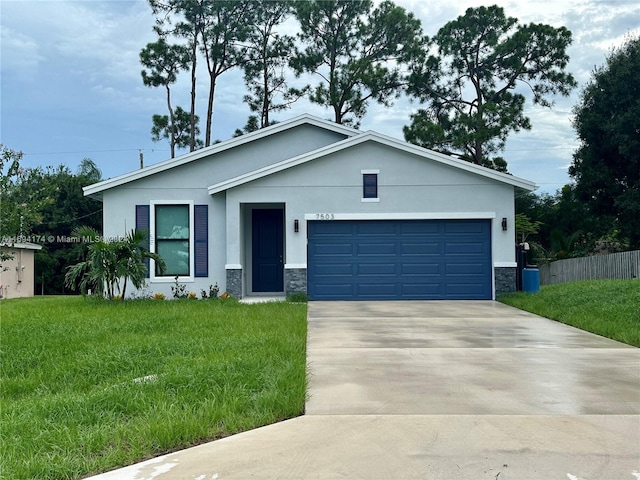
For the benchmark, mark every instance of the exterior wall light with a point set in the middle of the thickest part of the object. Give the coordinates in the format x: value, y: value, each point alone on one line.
x: 296, y: 226
x: 504, y: 224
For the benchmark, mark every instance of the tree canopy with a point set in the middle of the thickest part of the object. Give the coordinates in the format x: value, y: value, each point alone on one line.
x: 177, y: 131
x: 162, y: 63
x: 44, y: 205
x: 606, y: 166
x: 474, y: 83
x: 215, y: 29
x: 356, y: 51
x: 473, y: 77
x: 268, y: 55
x: 9, y: 171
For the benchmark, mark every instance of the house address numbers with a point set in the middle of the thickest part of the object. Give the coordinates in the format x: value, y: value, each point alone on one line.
x: 325, y: 216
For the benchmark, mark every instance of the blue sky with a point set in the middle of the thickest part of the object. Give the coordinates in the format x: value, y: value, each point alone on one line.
x: 71, y: 85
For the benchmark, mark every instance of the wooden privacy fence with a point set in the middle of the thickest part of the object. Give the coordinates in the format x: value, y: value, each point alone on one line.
x: 614, y: 265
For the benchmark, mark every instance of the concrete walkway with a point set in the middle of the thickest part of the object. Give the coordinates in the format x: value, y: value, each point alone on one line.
x: 439, y: 390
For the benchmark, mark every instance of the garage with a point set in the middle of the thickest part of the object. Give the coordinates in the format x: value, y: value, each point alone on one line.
x: 399, y: 260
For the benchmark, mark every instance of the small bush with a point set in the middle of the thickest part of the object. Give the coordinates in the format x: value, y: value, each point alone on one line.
x: 213, y: 292
x: 179, y: 290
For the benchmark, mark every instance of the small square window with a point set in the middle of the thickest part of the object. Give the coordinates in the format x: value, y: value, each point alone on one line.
x: 369, y: 185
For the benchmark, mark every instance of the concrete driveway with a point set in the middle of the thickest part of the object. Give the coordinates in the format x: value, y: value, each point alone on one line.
x: 440, y: 390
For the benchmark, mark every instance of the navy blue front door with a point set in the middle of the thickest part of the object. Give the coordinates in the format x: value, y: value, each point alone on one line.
x: 267, y: 252
x: 399, y: 260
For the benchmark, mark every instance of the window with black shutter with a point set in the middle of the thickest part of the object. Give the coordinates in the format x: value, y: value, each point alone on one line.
x: 180, y: 236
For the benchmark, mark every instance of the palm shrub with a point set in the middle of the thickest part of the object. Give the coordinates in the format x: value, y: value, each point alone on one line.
x: 110, y: 265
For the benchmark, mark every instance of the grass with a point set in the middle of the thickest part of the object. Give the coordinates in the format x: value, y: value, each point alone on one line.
x: 87, y: 386
x: 610, y: 308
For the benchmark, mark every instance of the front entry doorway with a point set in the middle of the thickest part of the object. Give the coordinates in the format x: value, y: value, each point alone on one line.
x: 267, y: 250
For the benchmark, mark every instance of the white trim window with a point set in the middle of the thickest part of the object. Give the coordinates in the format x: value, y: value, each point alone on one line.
x: 172, y: 238
x: 370, y: 185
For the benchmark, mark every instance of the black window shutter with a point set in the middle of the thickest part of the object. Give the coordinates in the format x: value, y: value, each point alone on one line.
x: 142, y: 223
x: 201, y: 240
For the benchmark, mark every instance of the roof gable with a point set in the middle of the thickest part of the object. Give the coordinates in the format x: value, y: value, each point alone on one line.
x: 381, y: 139
x: 96, y: 189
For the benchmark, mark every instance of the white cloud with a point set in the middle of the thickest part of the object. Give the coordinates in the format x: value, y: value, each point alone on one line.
x: 97, y: 40
x: 20, y: 54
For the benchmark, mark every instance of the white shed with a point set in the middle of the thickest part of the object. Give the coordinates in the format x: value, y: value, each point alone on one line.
x: 17, y: 275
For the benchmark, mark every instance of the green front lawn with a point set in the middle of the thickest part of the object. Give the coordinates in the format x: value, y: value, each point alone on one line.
x: 88, y: 385
x: 610, y: 308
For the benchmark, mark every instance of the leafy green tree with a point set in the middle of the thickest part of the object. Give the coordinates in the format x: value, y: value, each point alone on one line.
x: 215, y: 28
x: 9, y: 171
x: 472, y: 83
x: 563, y: 245
x: 179, y: 130
x: 525, y: 227
x: 606, y: 166
x: 226, y: 26
x: 163, y: 62
x: 110, y: 265
x: 9, y: 165
x: 268, y: 55
x: 563, y: 220
x: 26, y: 196
x: 89, y: 171
x: 190, y: 15
x: 356, y: 51
x: 49, y: 204
x: 251, y: 126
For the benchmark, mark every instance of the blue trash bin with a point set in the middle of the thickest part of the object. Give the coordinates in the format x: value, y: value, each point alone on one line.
x: 530, y: 280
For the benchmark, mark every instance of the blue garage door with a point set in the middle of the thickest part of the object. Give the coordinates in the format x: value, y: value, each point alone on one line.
x: 399, y: 259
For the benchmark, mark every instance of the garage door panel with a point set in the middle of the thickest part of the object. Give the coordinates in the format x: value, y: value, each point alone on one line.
x: 377, y: 290
x: 332, y: 291
x: 465, y: 249
x: 420, y: 269
x: 463, y: 227
x: 377, y: 249
x: 426, y: 248
x: 334, y: 270
x: 365, y: 229
x: 462, y: 290
x: 466, y: 269
x: 332, y: 249
x: 426, y: 291
x: 418, y: 228
x: 376, y: 269
x: 341, y: 229
x: 412, y: 259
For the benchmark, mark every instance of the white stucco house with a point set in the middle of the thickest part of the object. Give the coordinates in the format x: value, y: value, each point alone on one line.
x: 311, y: 206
